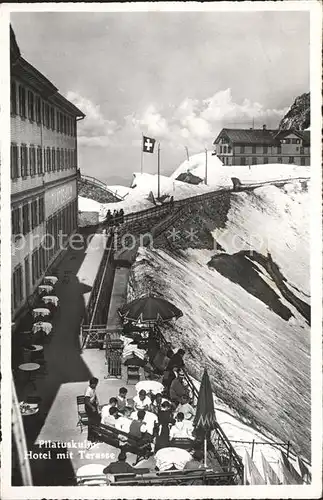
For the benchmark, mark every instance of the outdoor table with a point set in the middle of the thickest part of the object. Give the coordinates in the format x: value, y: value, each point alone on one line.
x: 41, y: 311
x: 42, y: 326
x: 51, y: 299
x: 45, y: 289
x: 166, y: 458
x: 28, y: 409
x: 133, y: 349
x: 29, y: 369
x: 89, y: 470
x: 149, y: 386
x: 37, y: 347
x: 50, y: 280
x: 150, y: 420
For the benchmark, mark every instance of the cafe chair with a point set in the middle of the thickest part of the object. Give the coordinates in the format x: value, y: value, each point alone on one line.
x: 133, y: 374
x: 82, y: 416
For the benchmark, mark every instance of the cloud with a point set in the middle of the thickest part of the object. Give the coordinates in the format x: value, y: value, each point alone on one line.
x: 193, y: 123
x: 94, y: 130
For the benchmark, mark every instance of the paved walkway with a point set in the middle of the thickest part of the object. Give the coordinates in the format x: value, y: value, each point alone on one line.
x: 69, y: 370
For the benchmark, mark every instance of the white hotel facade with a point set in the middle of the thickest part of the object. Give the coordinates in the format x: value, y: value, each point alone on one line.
x: 44, y: 175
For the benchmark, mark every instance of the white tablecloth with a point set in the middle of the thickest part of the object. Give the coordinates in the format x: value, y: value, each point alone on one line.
x: 166, y: 458
x: 45, y: 288
x: 42, y: 326
x: 149, y: 386
x: 41, y: 311
x: 133, y: 349
x: 51, y: 299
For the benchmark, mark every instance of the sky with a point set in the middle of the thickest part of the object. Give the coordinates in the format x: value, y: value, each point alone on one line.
x: 178, y: 77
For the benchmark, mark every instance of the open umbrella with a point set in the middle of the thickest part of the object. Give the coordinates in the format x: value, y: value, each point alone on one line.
x: 150, y: 309
x: 205, y: 418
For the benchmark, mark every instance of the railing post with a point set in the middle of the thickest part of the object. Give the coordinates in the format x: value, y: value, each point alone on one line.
x: 287, y: 451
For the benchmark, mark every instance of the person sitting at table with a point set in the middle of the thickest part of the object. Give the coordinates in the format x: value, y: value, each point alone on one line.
x: 110, y: 418
x: 181, y: 429
x: 165, y: 419
x: 156, y: 404
x: 185, y: 408
x: 138, y: 428
x: 150, y: 420
x: 142, y: 401
x: 122, y: 401
x: 177, y: 388
x: 134, y: 361
x: 124, y: 421
x: 105, y: 409
x: 122, y: 467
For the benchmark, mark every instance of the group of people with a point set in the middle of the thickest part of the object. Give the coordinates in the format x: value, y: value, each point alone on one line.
x: 114, y: 219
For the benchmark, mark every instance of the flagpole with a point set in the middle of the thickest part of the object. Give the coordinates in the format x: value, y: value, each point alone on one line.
x: 205, y: 449
x: 205, y: 165
x: 158, y: 170
x: 142, y: 153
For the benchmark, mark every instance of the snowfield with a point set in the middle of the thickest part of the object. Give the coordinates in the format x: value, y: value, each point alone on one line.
x: 218, y: 176
x: 259, y: 363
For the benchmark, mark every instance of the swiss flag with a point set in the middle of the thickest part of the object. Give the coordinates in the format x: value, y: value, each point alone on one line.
x: 148, y: 144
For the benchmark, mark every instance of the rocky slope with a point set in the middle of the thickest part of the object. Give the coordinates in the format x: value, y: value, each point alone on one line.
x: 298, y: 116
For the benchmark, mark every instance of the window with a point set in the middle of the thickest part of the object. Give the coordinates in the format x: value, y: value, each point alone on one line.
x: 22, y: 101
x: 229, y: 149
x: 302, y: 150
x: 58, y: 159
x: 265, y: 159
x: 15, y: 221
x: 13, y: 98
x: 280, y: 160
x: 220, y: 149
x: 52, y: 118
x: 47, y: 115
x: 291, y: 159
x: 49, y: 160
x: 58, y: 121
x: 43, y: 113
x: 14, y: 161
x: 243, y: 160
x: 17, y: 286
x: 287, y: 141
x: 242, y: 149
x: 45, y: 160
x: 295, y: 141
x: 41, y: 210
x: 35, y: 266
x: 265, y: 149
x: 303, y: 161
x: 66, y: 158
x: 39, y: 160
x: 61, y: 126
x: 24, y: 160
x: 279, y: 150
x: 25, y: 219
x: 38, y: 109
x: 54, y: 159
x: 254, y: 160
x: 31, y: 103
x: 34, y: 214
x: 62, y: 159
x: 32, y: 160
x: 64, y: 124
x: 254, y: 149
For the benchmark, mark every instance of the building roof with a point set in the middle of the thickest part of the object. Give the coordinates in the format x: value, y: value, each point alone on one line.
x: 259, y: 136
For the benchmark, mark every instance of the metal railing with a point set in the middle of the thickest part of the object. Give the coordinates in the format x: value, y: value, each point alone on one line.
x: 100, y: 184
x: 226, y: 453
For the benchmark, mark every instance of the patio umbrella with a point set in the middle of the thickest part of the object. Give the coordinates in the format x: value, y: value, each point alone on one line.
x: 150, y: 309
x: 205, y: 418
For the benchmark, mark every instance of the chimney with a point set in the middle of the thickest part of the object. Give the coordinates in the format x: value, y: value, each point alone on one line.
x: 264, y: 127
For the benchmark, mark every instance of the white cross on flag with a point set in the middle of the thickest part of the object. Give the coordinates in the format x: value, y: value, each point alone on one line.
x: 148, y: 144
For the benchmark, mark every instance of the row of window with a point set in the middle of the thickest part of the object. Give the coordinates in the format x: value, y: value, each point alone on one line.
x: 242, y: 149
x: 28, y: 216
x: 254, y: 160
x: 65, y: 221
x: 29, y: 105
x: 34, y: 160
